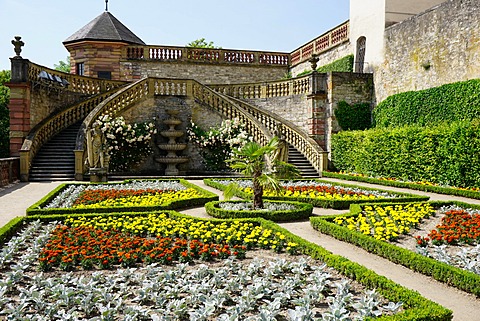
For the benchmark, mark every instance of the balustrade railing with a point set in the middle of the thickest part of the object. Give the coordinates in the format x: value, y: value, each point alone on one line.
x: 281, y: 88
x: 294, y: 135
x: 51, y: 126
x: 79, y: 84
x: 322, y: 43
x: 206, y: 55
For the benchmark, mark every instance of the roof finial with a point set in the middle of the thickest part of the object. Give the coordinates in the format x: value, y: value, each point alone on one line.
x: 106, y: 5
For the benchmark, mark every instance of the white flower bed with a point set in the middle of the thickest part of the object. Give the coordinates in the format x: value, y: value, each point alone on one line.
x: 67, y: 197
x: 248, y: 206
x: 232, y: 290
x: 286, y: 184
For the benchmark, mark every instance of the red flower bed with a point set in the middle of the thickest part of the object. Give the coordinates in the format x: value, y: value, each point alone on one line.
x: 86, y: 247
x: 457, y: 226
x: 96, y: 196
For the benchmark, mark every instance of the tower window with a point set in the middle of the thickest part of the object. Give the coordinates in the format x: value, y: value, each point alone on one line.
x: 104, y: 75
x: 80, y: 69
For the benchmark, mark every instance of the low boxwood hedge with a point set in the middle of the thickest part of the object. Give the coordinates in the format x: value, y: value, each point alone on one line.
x: 38, y: 207
x: 453, y: 276
x: 328, y: 203
x: 415, y: 307
x: 303, y: 210
x: 411, y: 185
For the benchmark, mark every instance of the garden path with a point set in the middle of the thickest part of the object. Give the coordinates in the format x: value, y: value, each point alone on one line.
x: 465, y: 307
x: 15, y: 199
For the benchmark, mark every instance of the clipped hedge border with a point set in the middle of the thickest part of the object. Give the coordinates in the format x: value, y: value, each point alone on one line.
x: 453, y: 276
x: 335, y: 204
x: 303, y: 211
x: 416, y: 307
x: 37, y: 208
x: 418, y: 187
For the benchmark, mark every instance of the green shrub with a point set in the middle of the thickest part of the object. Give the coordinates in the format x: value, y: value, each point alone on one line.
x: 353, y: 117
x: 344, y: 64
x: 446, y: 154
x: 464, y: 280
x: 451, y: 102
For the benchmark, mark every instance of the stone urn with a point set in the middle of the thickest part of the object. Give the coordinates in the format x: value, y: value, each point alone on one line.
x: 172, y: 147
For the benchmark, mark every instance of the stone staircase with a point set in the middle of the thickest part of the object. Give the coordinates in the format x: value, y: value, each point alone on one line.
x: 56, y: 161
x: 296, y: 158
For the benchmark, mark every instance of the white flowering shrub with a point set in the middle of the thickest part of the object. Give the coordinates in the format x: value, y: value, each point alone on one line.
x: 126, y: 144
x: 216, y: 144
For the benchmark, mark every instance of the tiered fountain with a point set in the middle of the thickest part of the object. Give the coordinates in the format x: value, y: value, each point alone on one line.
x: 172, y: 147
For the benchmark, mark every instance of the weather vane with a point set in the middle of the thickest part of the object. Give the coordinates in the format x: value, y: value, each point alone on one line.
x: 106, y: 5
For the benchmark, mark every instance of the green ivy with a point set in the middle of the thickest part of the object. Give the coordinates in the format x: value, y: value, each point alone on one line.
x: 446, y: 154
x: 450, y: 102
x: 353, y: 117
x: 4, y: 114
x: 344, y: 64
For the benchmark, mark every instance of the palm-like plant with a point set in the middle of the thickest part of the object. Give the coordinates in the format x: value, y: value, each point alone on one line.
x: 259, y: 163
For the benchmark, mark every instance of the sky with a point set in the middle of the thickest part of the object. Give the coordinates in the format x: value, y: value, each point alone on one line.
x: 269, y: 25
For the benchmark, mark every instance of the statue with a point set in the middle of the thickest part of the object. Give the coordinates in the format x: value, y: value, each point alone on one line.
x: 95, y: 145
x: 18, y: 44
x: 281, y: 154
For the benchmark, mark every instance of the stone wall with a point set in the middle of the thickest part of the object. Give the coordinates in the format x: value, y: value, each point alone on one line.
x: 326, y: 58
x: 206, y: 73
x: 344, y: 86
x: 155, y: 110
x: 440, y: 46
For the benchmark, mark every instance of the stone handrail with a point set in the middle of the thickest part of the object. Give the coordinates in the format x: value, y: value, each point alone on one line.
x: 231, y: 110
x: 292, y: 134
x: 280, y: 88
x: 9, y: 170
x: 327, y: 41
x: 74, y: 83
x: 206, y: 55
x: 51, y: 126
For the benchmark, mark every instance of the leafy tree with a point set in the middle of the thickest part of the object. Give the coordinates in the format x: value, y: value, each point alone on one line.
x: 63, y: 66
x: 202, y: 43
x: 260, y: 163
x: 5, y: 77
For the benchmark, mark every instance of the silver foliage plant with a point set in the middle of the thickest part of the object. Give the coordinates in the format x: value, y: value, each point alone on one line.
x: 67, y: 197
x: 232, y: 290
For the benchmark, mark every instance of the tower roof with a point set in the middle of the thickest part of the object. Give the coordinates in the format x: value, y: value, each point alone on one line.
x: 105, y: 27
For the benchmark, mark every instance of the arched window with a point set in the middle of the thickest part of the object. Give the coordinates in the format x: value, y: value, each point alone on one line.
x: 360, y: 58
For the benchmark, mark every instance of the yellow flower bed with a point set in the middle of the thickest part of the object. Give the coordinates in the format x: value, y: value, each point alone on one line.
x: 315, y: 195
x: 145, y: 200
x: 387, y: 223
x: 159, y: 225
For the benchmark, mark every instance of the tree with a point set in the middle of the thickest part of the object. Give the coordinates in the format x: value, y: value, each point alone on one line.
x: 63, y: 66
x: 259, y: 163
x: 201, y: 43
x: 5, y: 77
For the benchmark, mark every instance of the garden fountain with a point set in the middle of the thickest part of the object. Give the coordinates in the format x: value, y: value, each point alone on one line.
x: 172, y: 147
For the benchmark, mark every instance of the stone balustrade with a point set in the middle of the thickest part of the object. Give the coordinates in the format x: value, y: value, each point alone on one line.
x: 9, y: 170
x: 85, y: 85
x: 281, y: 88
x: 322, y: 43
x: 206, y: 55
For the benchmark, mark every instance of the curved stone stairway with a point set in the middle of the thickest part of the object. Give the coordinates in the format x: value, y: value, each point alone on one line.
x: 56, y: 161
x: 301, y: 162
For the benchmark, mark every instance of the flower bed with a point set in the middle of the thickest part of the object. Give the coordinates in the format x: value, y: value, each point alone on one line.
x: 470, y: 192
x: 370, y: 226
x: 320, y: 193
x: 276, y: 211
x: 136, y: 195
x: 230, y: 288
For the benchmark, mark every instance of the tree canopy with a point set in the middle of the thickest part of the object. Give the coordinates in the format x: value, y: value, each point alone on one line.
x: 63, y: 66
x: 202, y: 43
x: 5, y: 77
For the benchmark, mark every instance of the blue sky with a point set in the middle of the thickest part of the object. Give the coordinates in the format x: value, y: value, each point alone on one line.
x: 273, y: 25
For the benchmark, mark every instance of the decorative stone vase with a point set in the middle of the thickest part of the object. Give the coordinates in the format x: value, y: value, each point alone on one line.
x: 172, y: 147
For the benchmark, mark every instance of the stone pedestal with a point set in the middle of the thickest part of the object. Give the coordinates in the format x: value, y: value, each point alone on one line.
x: 98, y: 175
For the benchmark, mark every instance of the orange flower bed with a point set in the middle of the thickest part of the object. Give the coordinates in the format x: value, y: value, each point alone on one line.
x: 89, y: 248
x: 97, y: 196
x: 457, y: 226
